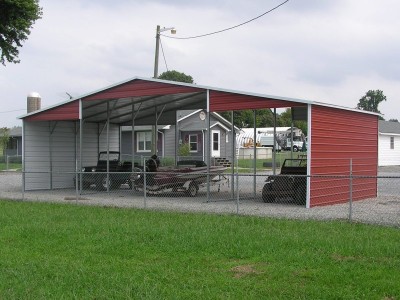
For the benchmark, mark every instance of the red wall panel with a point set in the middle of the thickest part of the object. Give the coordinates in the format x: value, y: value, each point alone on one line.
x: 339, y: 137
x: 138, y: 88
x: 68, y: 111
x: 223, y: 101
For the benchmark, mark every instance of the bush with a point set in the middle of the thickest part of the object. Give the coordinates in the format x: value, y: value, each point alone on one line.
x: 184, y: 149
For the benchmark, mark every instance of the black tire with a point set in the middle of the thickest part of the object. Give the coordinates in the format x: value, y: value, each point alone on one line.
x: 295, y: 149
x: 300, y: 195
x: 104, y: 184
x: 85, y: 185
x: 266, y: 194
x: 192, y: 190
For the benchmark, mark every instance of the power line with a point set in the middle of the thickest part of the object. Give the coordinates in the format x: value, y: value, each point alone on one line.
x: 162, y: 50
x: 4, y: 112
x: 226, y: 29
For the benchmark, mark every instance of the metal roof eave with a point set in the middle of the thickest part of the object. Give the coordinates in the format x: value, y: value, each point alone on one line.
x: 198, y: 87
x: 347, y: 108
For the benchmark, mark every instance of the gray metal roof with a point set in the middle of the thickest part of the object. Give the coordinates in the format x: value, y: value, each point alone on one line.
x: 15, y: 131
x: 389, y: 127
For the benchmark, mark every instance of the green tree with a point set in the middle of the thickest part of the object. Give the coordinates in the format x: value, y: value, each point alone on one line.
x: 4, y: 138
x: 16, y: 20
x: 394, y: 120
x: 371, y: 100
x: 245, y: 118
x: 176, y: 76
x: 285, y: 120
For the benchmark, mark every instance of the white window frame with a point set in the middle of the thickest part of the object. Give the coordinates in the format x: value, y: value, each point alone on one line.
x: 143, y: 136
x: 195, y: 142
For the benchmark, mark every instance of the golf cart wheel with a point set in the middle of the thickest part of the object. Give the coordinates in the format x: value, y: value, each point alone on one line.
x: 266, y: 194
x: 192, y: 190
x: 295, y: 149
x: 85, y: 185
x: 106, y: 184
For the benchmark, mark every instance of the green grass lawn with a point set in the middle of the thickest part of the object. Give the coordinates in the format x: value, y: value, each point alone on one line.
x: 55, y: 251
x: 3, y: 166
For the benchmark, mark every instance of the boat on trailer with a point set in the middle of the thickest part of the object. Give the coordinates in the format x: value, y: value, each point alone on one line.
x: 184, y: 178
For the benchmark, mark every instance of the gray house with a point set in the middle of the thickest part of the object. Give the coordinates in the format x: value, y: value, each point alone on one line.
x: 14, y: 146
x: 191, y: 129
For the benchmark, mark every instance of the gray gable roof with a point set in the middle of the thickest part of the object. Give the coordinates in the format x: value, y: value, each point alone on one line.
x: 15, y: 131
x: 389, y: 127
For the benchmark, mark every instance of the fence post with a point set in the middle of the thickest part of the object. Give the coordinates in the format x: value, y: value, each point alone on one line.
x: 351, y: 191
x: 7, y: 162
x: 77, y: 185
x: 237, y: 193
x: 23, y: 184
x: 144, y: 184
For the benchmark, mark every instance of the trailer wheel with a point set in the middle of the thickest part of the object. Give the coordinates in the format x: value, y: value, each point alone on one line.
x: 192, y: 190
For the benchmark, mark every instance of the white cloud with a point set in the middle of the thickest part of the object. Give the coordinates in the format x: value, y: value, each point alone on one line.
x: 329, y: 51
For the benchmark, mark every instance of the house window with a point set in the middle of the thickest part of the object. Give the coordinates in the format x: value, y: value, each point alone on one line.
x: 144, y: 141
x: 216, y: 141
x: 193, y: 142
x: 392, y: 142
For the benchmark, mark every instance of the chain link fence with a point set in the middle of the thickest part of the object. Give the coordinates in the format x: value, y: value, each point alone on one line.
x: 210, y: 189
x: 10, y: 162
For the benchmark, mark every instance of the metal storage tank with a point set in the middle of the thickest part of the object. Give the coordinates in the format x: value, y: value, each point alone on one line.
x: 33, y: 102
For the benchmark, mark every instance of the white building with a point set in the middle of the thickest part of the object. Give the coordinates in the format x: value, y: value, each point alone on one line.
x: 388, y: 143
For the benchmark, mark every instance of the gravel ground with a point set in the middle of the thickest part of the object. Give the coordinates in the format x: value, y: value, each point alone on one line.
x: 384, y: 210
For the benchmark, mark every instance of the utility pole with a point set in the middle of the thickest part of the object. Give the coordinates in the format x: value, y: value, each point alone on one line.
x: 154, y: 139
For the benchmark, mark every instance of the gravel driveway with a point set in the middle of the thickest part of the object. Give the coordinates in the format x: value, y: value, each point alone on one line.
x: 384, y: 210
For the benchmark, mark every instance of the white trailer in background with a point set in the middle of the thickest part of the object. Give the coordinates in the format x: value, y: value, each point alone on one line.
x: 268, y: 141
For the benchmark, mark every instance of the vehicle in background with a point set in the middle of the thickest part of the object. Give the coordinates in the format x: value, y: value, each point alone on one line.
x: 299, y: 144
x: 119, y: 172
x: 292, y: 182
x: 268, y: 141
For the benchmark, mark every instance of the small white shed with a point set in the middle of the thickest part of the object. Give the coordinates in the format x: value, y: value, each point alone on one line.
x: 389, y: 143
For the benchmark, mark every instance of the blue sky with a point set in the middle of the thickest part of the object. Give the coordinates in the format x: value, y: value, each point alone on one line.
x: 331, y: 51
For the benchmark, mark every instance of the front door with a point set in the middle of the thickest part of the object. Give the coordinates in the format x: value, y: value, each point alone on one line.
x: 215, y: 143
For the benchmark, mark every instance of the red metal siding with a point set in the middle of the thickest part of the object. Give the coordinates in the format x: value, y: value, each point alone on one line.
x: 338, y: 137
x: 68, y: 111
x: 138, y: 88
x: 223, y: 101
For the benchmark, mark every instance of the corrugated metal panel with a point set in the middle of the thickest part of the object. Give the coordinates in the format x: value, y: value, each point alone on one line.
x: 339, y: 137
x: 170, y: 141
x: 223, y: 101
x: 41, y: 159
x: 138, y: 88
x: 37, y: 155
x: 63, y: 154
x: 69, y: 111
x: 95, y: 140
x: 113, y: 139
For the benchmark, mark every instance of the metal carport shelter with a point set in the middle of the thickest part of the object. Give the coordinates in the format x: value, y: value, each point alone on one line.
x: 70, y: 134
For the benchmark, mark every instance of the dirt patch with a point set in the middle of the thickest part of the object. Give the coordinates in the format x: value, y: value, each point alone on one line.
x: 74, y: 198
x: 244, y: 270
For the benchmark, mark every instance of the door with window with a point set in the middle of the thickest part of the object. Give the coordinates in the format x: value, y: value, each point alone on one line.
x: 215, y: 143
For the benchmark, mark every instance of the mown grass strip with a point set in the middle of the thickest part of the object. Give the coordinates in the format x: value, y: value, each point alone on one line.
x: 71, y: 251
